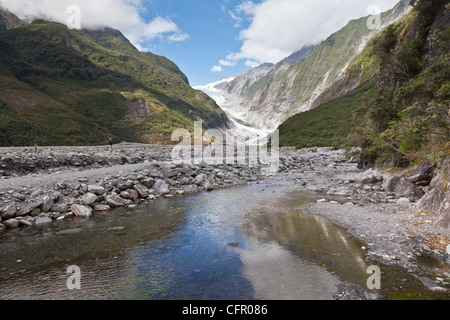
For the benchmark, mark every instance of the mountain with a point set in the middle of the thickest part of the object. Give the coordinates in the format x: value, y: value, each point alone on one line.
x: 393, y: 100
x: 296, y: 84
x: 78, y: 87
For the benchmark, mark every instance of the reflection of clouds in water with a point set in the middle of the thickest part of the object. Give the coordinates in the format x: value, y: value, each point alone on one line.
x: 277, y: 274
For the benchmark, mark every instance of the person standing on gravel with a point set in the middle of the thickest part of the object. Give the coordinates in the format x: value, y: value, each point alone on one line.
x: 111, y: 142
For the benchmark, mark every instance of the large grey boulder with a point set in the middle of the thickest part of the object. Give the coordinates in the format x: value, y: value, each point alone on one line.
x: 161, y: 187
x: 8, y: 211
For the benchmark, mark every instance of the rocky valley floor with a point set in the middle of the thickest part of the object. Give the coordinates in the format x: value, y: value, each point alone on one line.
x: 54, y: 184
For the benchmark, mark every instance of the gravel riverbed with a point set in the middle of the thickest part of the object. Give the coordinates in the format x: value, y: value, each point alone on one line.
x: 58, y: 183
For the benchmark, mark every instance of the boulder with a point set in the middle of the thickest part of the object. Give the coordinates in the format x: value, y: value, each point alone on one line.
x: 421, y: 174
x: 142, y: 190
x: 437, y: 198
x: 98, y: 190
x: 406, y: 189
x: 11, y: 223
x: 161, y: 187
x: 102, y: 207
x: 89, y: 199
x: 370, y: 176
x: 114, y: 201
x: 8, y: 211
x: 42, y: 221
x: 133, y: 194
x: 81, y: 211
x: 47, y: 204
x: 60, y: 208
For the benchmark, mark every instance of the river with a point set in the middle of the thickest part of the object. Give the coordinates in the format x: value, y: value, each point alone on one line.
x: 244, y: 243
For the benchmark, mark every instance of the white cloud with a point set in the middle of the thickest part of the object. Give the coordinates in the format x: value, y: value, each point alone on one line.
x: 227, y: 63
x: 279, y: 27
x: 119, y: 14
x: 217, y: 69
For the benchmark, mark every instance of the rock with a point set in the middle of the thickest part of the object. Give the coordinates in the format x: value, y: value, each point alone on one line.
x: 98, y: 190
x: 2, y: 228
x: 42, y: 220
x: 19, y: 196
x: 391, y: 182
x: 161, y: 187
x: 200, y: 178
x: 421, y: 174
x: 403, y: 202
x: 448, y: 249
x: 26, y: 209
x: 89, y: 199
x: 8, y: 211
x: 172, y: 173
x: 114, y: 201
x: 321, y: 201
x: 406, y: 189
x: 11, y: 223
x: 209, y: 186
x: 102, y: 207
x: 81, y: 211
x: 371, y: 176
x: 132, y: 194
x: 142, y: 190
x: 60, y: 208
x: 47, y: 204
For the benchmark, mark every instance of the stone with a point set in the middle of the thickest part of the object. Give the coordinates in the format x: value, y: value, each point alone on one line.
x: 8, y: 211
x: 47, y: 204
x: 81, y: 211
x: 89, y: 199
x: 114, y: 201
x: 403, y: 202
x: 142, y: 190
x: 371, y: 176
x: 19, y: 196
x: 102, y: 207
x: 60, y: 208
x: 132, y: 194
x: 42, y: 221
x: 172, y: 173
x: 98, y: 190
x: 11, y: 223
x: 161, y: 187
x: 2, y: 228
x: 448, y: 249
x: 406, y: 189
x: 26, y: 209
x: 209, y: 186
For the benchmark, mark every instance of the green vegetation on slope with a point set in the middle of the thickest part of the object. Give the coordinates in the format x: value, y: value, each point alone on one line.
x: 409, y: 119
x: 88, y: 78
x: 401, y: 112
x: 328, y: 125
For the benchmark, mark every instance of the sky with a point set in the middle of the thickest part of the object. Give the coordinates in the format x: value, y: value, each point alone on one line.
x: 209, y: 39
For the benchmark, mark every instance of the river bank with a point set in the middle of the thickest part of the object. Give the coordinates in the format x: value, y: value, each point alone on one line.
x: 55, y: 184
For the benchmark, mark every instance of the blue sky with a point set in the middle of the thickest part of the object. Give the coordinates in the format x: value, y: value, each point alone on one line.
x: 212, y: 35
x: 210, y: 39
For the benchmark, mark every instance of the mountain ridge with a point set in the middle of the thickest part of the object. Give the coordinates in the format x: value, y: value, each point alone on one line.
x: 91, y: 80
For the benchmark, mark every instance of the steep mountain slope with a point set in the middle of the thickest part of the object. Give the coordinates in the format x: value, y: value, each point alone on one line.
x: 97, y: 84
x: 393, y: 100
x: 286, y: 90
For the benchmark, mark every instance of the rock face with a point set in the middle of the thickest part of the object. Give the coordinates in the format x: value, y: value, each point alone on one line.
x: 437, y: 199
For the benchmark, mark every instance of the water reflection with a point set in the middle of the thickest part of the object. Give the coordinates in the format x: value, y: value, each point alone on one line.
x: 243, y: 243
